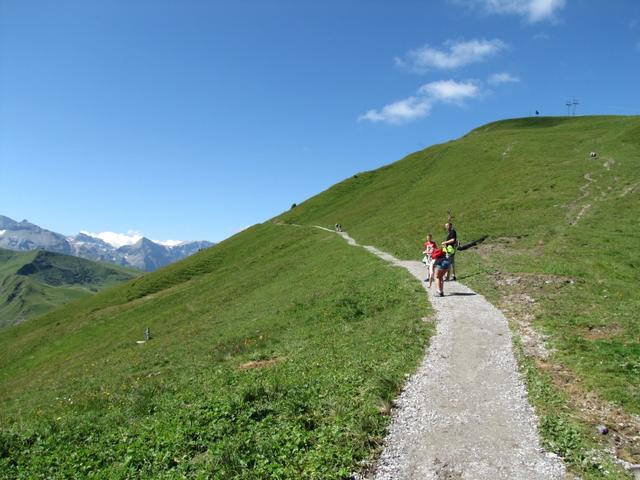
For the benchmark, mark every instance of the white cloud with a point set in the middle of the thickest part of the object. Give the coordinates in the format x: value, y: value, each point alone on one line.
x: 500, y: 78
x: 398, y: 112
x: 169, y: 243
x: 2, y: 232
x: 450, y: 91
x: 533, y: 10
x: 456, y: 54
x: 538, y: 10
x: 116, y: 239
x: 414, y: 107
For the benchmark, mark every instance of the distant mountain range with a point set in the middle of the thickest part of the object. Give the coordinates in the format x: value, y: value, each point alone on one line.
x: 144, y: 255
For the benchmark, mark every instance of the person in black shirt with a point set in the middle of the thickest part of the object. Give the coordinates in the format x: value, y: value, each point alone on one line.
x: 452, y: 239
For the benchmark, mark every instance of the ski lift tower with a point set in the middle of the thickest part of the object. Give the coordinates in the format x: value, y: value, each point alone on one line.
x: 574, y: 104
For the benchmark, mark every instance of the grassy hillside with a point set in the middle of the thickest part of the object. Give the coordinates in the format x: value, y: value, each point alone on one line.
x: 34, y: 282
x: 275, y: 354
x: 563, y: 249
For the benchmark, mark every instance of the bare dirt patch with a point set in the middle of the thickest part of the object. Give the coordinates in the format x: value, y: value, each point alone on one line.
x: 576, y: 205
x: 623, y: 436
x: 523, y: 282
x: 608, y: 163
x: 584, y: 209
x: 258, y: 364
x: 518, y: 302
x: 507, y: 150
x: 633, y: 188
x: 601, y: 333
x: 500, y: 245
x: 519, y: 293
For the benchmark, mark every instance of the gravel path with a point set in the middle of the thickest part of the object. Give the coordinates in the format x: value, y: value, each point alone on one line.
x: 464, y: 414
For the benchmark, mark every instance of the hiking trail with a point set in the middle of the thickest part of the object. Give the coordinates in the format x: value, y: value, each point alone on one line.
x: 464, y: 413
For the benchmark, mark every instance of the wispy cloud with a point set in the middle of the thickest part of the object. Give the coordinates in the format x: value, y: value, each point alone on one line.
x: 169, y: 243
x: 533, y: 10
x: 450, y: 91
x: 541, y: 36
x: 398, y: 112
x: 117, y: 239
x: 417, y: 106
x: 502, y: 77
x: 455, y: 54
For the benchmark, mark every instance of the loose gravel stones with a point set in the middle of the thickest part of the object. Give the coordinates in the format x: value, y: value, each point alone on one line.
x: 464, y: 414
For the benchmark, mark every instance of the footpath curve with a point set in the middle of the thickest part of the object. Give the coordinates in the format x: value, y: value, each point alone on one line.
x: 464, y: 413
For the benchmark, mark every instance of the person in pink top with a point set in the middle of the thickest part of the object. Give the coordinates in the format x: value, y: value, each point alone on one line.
x: 427, y: 249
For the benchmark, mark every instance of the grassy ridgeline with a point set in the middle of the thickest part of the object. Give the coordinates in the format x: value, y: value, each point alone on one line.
x: 274, y: 354
x: 507, y: 179
x: 551, y: 212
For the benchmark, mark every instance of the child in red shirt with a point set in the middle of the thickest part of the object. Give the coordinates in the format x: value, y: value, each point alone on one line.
x: 428, y: 247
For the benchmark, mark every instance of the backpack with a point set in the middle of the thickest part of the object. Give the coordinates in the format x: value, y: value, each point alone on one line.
x: 437, y: 253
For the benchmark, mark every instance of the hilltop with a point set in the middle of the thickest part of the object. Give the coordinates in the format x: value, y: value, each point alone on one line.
x: 561, y: 259
x: 32, y: 283
x: 277, y: 352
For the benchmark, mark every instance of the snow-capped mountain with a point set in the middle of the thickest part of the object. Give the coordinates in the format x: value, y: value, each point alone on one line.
x: 144, y: 254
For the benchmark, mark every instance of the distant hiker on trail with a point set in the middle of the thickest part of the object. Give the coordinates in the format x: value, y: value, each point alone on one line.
x: 449, y: 246
x: 427, y: 249
x: 338, y: 227
x: 441, y: 265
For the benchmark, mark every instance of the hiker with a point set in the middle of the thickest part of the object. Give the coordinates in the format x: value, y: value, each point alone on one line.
x: 449, y: 246
x: 338, y: 227
x: 441, y: 265
x: 427, y: 249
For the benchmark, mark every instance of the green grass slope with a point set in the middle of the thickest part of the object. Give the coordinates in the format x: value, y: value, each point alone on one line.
x: 275, y: 354
x: 32, y: 283
x: 563, y: 231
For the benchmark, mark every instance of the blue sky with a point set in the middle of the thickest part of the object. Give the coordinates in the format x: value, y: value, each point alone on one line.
x: 193, y: 119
